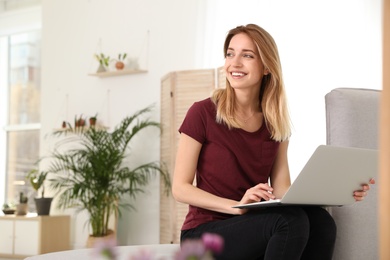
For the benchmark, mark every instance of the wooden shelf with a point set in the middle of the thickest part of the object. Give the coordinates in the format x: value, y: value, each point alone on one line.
x: 115, y: 73
x: 80, y: 129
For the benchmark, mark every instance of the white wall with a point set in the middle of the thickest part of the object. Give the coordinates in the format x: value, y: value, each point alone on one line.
x: 73, y: 31
x: 323, y: 45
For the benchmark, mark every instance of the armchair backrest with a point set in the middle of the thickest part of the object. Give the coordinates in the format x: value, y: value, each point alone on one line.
x: 352, y: 120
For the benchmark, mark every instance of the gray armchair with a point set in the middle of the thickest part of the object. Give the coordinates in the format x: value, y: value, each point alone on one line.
x: 352, y: 120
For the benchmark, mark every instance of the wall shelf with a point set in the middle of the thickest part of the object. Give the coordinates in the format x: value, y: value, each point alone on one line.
x: 80, y: 129
x: 115, y: 73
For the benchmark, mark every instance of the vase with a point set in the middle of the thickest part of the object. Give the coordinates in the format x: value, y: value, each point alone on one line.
x: 43, y: 206
x: 21, y: 209
x: 91, y: 241
x: 133, y: 64
x: 101, y: 68
x: 119, y: 65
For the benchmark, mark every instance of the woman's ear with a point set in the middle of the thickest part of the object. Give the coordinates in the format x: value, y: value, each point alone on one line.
x: 266, y: 71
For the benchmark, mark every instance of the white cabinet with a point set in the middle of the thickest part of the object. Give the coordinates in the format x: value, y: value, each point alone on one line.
x: 23, y: 236
x: 6, y: 236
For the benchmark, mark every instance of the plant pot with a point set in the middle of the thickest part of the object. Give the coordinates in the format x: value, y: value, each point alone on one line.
x: 43, y: 206
x: 119, y: 65
x: 91, y: 241
x: 9, y: 211
x: 101, y: 68
x: 21, y: 209
x: 92, y: 121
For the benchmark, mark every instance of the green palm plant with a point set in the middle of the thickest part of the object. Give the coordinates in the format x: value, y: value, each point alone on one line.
x: 92, y: 175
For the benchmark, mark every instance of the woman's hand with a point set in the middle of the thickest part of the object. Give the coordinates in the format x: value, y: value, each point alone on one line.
x: 257, y: 193
x: 360, y: 194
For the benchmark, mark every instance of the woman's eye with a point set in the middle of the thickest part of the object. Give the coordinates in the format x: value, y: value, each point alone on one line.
x: 229, y: 54
x: 248, y: 56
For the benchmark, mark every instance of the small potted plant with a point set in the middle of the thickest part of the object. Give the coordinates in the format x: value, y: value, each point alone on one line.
x: 37, y: 179
x: 104, y: 61
x: 93, y: 120
x: 21, y: 208
x: 119, y: 65
x: 79, y: 121
x: 8, y: 209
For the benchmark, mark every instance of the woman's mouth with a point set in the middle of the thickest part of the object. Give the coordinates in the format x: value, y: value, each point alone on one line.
x: 237, y: 74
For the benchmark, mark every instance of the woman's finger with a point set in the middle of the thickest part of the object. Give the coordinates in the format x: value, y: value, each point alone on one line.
x: 359, y: 195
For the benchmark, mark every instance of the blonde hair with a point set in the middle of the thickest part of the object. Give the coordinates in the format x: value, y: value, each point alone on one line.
x: 272, y: 99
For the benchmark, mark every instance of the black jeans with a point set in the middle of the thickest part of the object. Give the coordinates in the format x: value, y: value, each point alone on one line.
x: 274, y: 234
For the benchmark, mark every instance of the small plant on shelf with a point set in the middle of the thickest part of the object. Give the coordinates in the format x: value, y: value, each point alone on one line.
x: 122, y: 56
x: 119, y: 65
x: 79, y: 121
x: 9, y: 208
x: 22, y: 207
x: 22, y: 198
x: 104, y: 62
x: 93, y: 120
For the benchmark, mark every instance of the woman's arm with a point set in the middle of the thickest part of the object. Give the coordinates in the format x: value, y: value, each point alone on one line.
x: 183, y: 189
x: 280, y: 175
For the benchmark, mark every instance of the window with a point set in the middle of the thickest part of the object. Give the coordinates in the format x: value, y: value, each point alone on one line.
x: 20, y: 111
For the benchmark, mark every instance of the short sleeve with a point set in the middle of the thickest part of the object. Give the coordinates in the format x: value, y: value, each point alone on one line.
x: 194, y: 123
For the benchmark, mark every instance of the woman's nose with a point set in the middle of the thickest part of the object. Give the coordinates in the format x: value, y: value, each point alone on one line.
x: 236, y: 61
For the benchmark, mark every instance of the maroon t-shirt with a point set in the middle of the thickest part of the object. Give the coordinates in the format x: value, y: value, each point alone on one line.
x: 230, y: 161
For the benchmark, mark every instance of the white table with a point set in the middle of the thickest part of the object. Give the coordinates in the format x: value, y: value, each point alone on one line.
x: 160, y: 251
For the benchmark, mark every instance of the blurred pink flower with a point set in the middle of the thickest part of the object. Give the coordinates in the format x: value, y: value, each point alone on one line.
x: 213, y: 242
x: 200, y: 249
x: 106, y: 249
x: 191, y: 249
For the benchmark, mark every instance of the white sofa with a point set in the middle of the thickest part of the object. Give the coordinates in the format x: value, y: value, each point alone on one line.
x: 160, y: 251
x: 352, y: 120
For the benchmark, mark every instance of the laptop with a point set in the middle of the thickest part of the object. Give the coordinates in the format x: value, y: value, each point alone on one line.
x: 329, y: 178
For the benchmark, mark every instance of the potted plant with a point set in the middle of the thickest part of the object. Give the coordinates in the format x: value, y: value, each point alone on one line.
x: 37, y: 179
x: 89, y: 173
x: 8, y: 209
x: 119, y: 65
x: 79, y: 121
x: 93, y: 120
x: 104, y: 61
x: 22, y: 207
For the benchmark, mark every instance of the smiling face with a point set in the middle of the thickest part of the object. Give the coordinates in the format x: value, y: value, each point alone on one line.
x: 243, y: 65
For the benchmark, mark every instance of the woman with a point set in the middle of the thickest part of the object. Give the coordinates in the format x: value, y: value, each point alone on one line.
x: 236, y: 144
